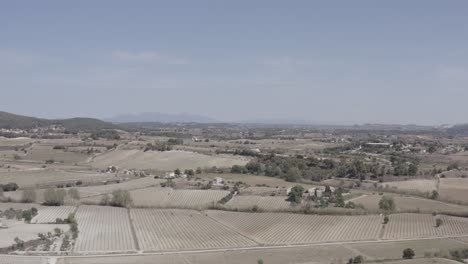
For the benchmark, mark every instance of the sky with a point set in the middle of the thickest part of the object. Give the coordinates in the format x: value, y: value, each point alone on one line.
x: 340, y: 62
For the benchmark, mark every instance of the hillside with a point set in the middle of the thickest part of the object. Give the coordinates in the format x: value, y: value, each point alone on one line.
x: 12, y: 121
x: 161, y: 118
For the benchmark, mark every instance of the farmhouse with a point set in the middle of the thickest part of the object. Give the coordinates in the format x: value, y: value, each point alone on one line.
x: 218, y: 181
x: 319, y: 191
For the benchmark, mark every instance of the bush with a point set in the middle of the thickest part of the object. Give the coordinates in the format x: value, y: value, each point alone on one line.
x: 27, y: 216
x: 104, y: 200
x: 9, y: 187
x: 121, y: 198
x: 54, y: 197
x: 408, y: 253
x: 28, y: 196
x: 438, y: 222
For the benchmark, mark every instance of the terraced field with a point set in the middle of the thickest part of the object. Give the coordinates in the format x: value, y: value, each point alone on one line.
x: 403, y: 226
x: 103, y: 229
x: 167, y: 197
x: 160, y: 229
x: 266, y: 203
x: 51, y: 213
x: 281, y: 228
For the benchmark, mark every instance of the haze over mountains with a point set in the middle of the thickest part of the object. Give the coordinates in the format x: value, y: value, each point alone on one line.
x: 161, y: 117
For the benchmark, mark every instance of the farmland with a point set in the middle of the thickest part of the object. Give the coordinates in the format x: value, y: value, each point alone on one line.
x: 25, y: 232
x: 103, y: 229
x: 169, y: 198
x: 265, y: 203
x: 411, y: 204
x: 50, y: 214
x: 424, y: 225
x: 454, y: 189
x: 168, y: 160
x: 419, y: 186
x: 182, y: 229
x: 280, y: 228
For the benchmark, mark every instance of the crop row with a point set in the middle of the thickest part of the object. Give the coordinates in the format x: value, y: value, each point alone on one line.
x: 280, y: 228
x: 161, y: 229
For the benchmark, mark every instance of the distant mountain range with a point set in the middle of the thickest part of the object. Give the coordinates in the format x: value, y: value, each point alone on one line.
x: 161, y: 118
x: 13, y: 121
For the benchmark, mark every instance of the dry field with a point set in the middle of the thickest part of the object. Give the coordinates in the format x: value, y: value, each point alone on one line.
x: 51, y: 213
x: 168, y: 160
x: 25, y: 232
x: 403, y: 204
x: 43, y: 152
x: 159, y: 197
x: 305, y: 255
x: 393, y: 250
x: 22, y: 206
x: 158, y: 229
x: 103, y: 229
x: 402, y: 226
x: 23, y: 260
x: 264, y: 203
x: 421, y: 185
x: 126, y: 185
x: 454, y: 189
x: 281, y: 228
x: 41, y: 177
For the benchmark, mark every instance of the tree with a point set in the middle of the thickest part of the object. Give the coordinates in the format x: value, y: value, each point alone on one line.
x: 434, y: 195
x: 27, y: 216
x: 408, y: 253
x: 54, y: 197
x: 28, y: 196
x: 293, y: 175
x: 412, y: 169
x: 386, y: 219
x: 387, y: 203
x: 438, y: 222
x: 177, y: 172
x: 295, y: 195
x: 339, y: 200
x: 260, y: 261
x: 198, y: 170
x: 121, y: 198
x: 74, y: 193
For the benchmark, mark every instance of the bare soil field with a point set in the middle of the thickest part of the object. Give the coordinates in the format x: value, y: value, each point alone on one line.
x: 454, y: 189
x: 159, y: 197
x: 281, y: 228
x: 402, y: 226
x: 104, y: 229
x: 263, y: 203
x: 168, y: 160
x: 25, y: 232
x: 404, y: 203
x: 158, y: 229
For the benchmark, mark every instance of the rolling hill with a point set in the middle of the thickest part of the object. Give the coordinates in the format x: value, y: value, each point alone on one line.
x: 13, y: 121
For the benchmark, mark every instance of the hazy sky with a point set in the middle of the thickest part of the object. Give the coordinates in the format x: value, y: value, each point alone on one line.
x: 324, y: 61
